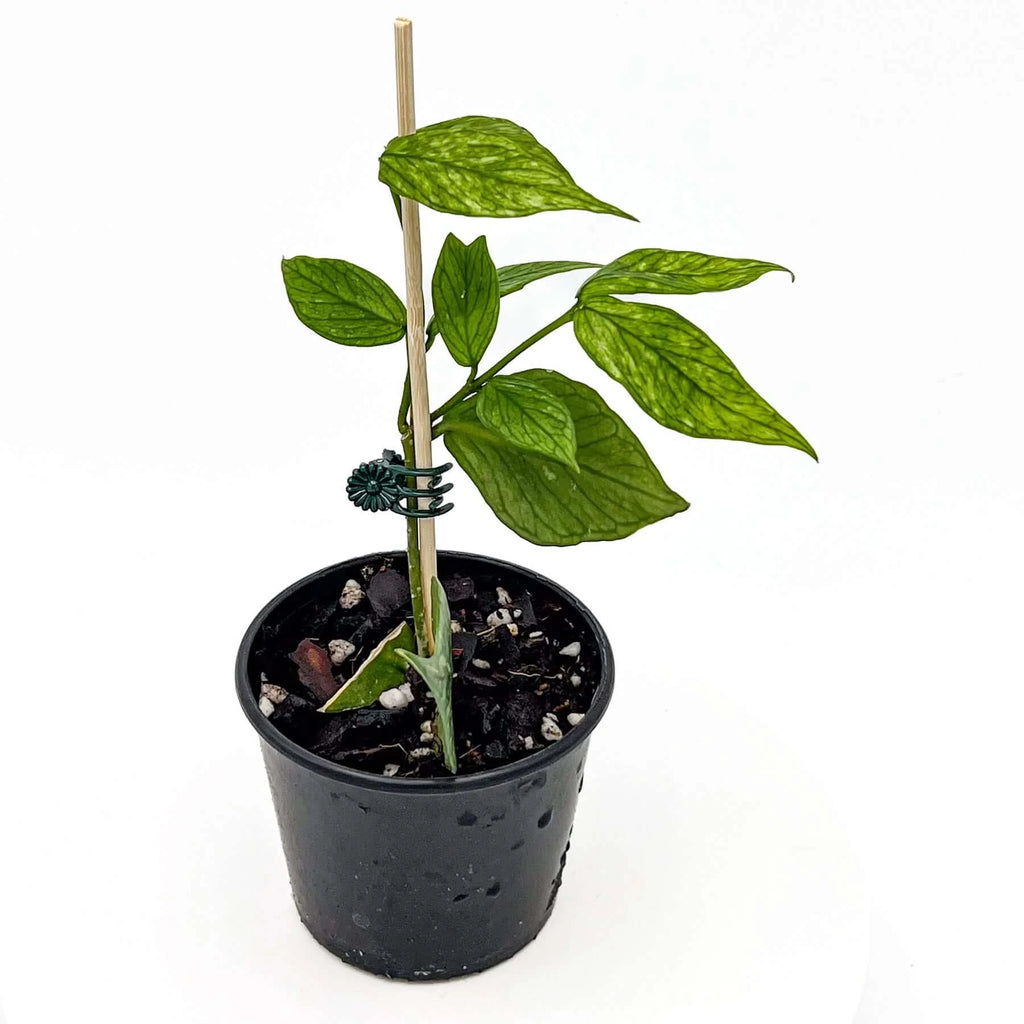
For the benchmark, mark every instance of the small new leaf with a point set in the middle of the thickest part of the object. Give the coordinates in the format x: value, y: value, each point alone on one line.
x: 483, y: 167
x: 382, y: 670
x: 677, y: 374
x: 616, y: 491
x: 342, y: 302
x: 529, y: 416
x: 667, y: 272
x: 519, y: 275
x: 436, y: 671
x: 466, y: 302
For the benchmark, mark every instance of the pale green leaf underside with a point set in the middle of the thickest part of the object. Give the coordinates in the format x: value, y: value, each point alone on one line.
x: 342, y: 302
x: 617, y: 490
x: 466, y: 301
x: 530, y: 417
x: 677, y: 374
x: 667, y: 272
x: 436, y: 671
x: 383, y: 670
x: 483, y: 167
x: 519, y: 275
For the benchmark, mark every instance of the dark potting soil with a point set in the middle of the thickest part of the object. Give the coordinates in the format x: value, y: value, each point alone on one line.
x: 523, y: 664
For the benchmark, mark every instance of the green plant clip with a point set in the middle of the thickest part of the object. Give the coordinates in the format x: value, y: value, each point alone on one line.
x: 379, y: 486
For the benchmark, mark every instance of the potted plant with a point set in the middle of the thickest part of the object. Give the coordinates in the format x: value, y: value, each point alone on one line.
x: 424, y: 720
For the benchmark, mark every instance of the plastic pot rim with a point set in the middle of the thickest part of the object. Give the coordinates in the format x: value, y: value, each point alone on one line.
x: 534, y: 762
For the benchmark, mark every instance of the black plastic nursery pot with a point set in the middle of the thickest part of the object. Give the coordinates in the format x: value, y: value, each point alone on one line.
x: 424, y: 878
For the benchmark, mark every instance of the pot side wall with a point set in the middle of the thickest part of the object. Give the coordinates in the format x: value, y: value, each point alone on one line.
x: 425, y: 885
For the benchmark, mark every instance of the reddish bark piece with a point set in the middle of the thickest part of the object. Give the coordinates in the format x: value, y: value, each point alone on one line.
x: 315, y: 669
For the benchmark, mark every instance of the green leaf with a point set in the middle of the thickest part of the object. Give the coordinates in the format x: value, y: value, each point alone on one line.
x: 530, y: 417
x: 383, y: 670
x: 616, y: 491
x: 677, y: 374
x: 465, y: 292
x: 519, y: 275
x: 483, y: 167
x: 342, y: 302
x: 436, y: 671
x: 666, y: 272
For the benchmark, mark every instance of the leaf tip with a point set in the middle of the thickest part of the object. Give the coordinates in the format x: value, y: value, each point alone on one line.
x: 802, y: 444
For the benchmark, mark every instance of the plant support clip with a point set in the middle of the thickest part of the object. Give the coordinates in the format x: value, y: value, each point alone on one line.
x: 383, y: 485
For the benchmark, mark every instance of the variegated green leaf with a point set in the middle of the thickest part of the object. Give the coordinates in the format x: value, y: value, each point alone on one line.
x: 483, y: 167
x: 383, y: 670
x: 436, y: 671
x: 667, y: 272
x: 616, y: 491
x: 529, y: 416
x: 465, y: 293
x: 342, y: 302
x: 519, y: 275
x: 677, y: 374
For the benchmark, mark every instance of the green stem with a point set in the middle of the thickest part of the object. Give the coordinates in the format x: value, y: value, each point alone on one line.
x: 476, y: 383
x: 412, y: 547
x: 403, y: 409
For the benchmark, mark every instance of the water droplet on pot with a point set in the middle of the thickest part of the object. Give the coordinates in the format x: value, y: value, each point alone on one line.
x: 536, y: 782
x: 466, y: 818
x: 545, y: 819
x: 360, y: 920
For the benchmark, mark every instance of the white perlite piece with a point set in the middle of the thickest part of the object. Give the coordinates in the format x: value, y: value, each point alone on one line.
x: 536, y: 634
x: 456, y: 627
x: 571, y: 650
x: 502, y: 617
x: 390, y: 769
x: 351, y: 594
x: 420, y: 752
x: 427, y: 726
x: 479, y: 663
x: 504, y: 597
x: 339, y: 650
x: 513, y: 628
x: 549, y: 728
x: 527, y: 742
x: 266, y: 706
x: 426, y: 737
x: 576, y: 680
x: 574, y: 718
x: 399, y: 697
x: 275, y: 694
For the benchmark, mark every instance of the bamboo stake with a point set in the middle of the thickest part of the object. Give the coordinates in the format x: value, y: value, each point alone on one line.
x: 414, y: 336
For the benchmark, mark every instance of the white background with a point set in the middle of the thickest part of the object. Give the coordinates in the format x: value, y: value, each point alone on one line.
x: 831, y: 688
